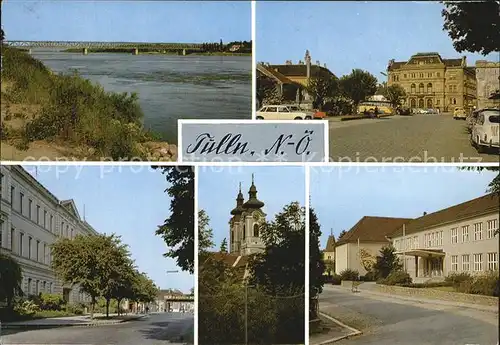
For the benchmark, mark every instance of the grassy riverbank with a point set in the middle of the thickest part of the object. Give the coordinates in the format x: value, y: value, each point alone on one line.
x: 67, y: 111
x: 151, y: 51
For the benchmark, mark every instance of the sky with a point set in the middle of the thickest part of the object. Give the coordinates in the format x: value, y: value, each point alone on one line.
x: 127, y: 200
x: 218, y: 188
x: 342, y: 196
x: 347, y: 35
x: 126, y: 21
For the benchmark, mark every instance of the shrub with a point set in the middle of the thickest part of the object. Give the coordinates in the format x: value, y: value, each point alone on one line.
x: 74, y: 309
x: 26, y: 307
x: 349, y: 274
x: 426, y: 285
x: 368, y: 277
x: 484, y: 284
x: 335, y: 279
x: 51, y: 301
x: 455, y: 279
x: 396, y: 278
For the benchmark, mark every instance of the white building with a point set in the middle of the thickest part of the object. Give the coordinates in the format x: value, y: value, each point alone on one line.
x: 246, y: 221
x: 460, y: 238
x: 31, y: 219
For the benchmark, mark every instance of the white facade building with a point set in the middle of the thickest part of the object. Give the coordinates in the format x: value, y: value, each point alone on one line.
x: 31, y: 219
x: 460, y: 238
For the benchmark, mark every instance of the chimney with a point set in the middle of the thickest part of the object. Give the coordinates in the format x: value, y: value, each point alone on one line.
x: 308, y: 64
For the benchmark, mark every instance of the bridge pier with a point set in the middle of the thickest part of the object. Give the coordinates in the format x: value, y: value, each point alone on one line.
x: 135, y: 51
x: 85, y: 51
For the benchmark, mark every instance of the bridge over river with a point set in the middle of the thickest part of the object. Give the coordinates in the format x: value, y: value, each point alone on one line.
x: 85, y: 46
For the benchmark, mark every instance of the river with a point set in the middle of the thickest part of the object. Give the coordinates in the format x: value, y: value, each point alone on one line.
x: 170, y: 87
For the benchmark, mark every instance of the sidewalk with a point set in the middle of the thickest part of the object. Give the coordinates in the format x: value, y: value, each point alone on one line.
x: 69, y: 321
x: 368, y: 289
x: 332, y: 331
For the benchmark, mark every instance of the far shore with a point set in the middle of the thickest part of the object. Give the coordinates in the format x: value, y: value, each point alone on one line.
x: 145, y: 52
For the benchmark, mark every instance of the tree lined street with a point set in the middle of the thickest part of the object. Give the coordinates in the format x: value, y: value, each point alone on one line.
x: 388, y: 320
x: 401, y: 138
x: 162, y: 328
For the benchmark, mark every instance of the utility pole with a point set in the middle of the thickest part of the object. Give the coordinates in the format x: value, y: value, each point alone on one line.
x: 404, y: 248
x: 246, y: 313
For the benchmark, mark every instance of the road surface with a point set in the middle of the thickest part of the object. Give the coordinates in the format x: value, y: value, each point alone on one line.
x: 162, y: 328
x: 418, y: 138
x: 386, y: 320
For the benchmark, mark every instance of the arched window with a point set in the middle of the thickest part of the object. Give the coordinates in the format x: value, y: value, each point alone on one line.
x: 421, y: 103
x: 429, y: 103
x: 450, y: 88
x: 413, y: 88
x: 256, y: 230
x: 421, y: 88
x: 454, y: 101
x: 429, y: 88
x: 244, y: 231
x: 413, y: 103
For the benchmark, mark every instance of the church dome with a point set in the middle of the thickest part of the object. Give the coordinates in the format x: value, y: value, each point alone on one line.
x: 253, y: 202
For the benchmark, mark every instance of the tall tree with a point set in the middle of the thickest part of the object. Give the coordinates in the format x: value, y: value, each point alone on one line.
x: 267, y: 90
x: 11, y: 278
x: 386, y: 262
x: 223, y: 246
x: 275, y: 269
x: 358, y: 85
x: 321, y: 87
x: 205, y: 233
x: 178, y: 229
x: 316, y: 264
x: 473, y: 26
x: 394, y: 94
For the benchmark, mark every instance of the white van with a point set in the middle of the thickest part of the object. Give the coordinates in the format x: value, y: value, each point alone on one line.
x: 485, y: 130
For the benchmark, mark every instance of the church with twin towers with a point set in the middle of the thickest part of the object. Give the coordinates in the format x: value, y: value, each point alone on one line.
x: 245, y: 224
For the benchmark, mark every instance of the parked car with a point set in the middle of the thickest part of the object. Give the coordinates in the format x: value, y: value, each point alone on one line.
x: 282, y: 112
x: 485, y: 130
x: 459, y: 114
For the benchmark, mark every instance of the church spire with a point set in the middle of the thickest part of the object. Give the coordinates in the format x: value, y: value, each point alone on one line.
x: 253, y: 202
x: 239, y: 203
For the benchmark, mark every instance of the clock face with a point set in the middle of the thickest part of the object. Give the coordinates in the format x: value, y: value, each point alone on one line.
x: 256, y: 216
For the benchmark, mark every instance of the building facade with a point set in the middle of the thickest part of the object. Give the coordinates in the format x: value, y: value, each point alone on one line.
x: 245, y: 224
x: 460, y: 238
x: 488, y: 81
x: 431, y: 82
x: 358, y: 248
x: 31, y: 219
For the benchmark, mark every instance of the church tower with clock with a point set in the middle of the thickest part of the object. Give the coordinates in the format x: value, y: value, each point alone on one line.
x: 245, y: 224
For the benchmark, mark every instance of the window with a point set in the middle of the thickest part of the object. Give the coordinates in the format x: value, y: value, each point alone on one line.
x: 21, y: 201
x: 29, y: 286
x: 37, y: 249
x: 72, y: 232
x: 491, y: 226
x: 44, y: 286
x: 478, y: 231
x: 478, y: 262
x: 429, y: 240
x: 30, y: 239
x: 454, y: 235
x: 465, y: 233
x: 492, y: 261
x: 454, y: 101
x: 50, y: 224
x: 429, y: 75
x: 421, y: 75
x: 30, y: 209
x: 450, y: 88
x: 21, y: 240
x: 244, y: 231
x: 12, y: 193
x: 415, y: 242
x: 440, y: 238
x: 454, y: 262
x: 465, y: 262
x: 438, y: 74
x: 421, y: 88
x: 37, y: 214
x: 45, y: 253
x: 62, y: 229
x: 44, y: 219
x: 429, y: 88
x: 67, y: 230
x: 413, y: 88
x: 12, y: 233
x: 433, y: 235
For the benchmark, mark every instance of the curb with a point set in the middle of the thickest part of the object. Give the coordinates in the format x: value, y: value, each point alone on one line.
x: 478, y: 307
x: 353, y: 333
x: 47, y: 326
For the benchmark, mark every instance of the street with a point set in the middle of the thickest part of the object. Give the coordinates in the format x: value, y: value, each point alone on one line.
x: 161, y: 328
x: 418, y: 138
x: 387, y: 320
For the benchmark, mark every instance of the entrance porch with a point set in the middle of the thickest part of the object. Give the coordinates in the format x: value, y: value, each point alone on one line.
x: 424, y: 264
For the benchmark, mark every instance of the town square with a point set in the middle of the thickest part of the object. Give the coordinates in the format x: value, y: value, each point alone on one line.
x: 398, y: 89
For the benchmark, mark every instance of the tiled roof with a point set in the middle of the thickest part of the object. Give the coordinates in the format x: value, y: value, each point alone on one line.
x: 486, y: 204
x: 272, y: 73
x: 447, y: 62
x: 236, y: 262
x: 330, y: 244
x: 372, y: 229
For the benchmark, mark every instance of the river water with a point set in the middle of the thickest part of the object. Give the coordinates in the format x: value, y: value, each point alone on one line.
x: 170, y: 87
